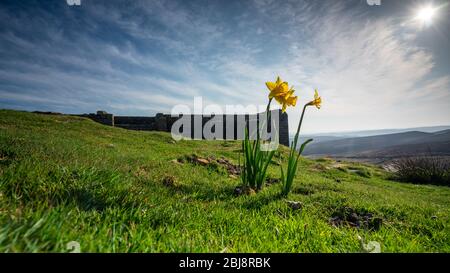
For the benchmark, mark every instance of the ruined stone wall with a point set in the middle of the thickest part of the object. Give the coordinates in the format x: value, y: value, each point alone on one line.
x: 164, y: 123
x: 101, y: 117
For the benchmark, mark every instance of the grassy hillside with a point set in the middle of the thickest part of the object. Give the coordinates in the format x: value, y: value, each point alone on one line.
x: 68, y: 179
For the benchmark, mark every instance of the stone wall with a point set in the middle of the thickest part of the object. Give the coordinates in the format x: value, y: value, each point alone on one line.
x: 101, y: 117
x: 162, y: 122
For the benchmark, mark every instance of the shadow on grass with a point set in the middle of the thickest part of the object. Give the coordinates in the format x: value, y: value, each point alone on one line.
x: 261, y: 200
x: 86, y: 200
x: 7, y: 156
x: 310, y: 189
x: 203, y: 192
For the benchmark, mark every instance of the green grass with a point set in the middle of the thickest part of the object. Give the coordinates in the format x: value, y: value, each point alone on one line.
x: 68, y: 179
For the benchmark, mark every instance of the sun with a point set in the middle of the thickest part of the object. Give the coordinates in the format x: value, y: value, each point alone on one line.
x: 426, y: 14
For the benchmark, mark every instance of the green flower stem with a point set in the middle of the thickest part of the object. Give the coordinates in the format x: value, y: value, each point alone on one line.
x: 288, y: 177
x: 298, y: 128
x: 268, y: 115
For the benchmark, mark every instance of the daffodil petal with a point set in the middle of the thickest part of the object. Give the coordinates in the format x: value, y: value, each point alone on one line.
x: 292, y: 101
x: 278, y: 82
x: 271, y: 85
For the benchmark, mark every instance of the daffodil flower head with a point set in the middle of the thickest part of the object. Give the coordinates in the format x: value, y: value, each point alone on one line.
x: 317, y: 100
x: 276, y: 88
x: 281, y: 92
x: 273, y: 85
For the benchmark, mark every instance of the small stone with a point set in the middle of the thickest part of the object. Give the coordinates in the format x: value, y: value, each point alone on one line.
x: 175, y: 161
x: 222, y: 161
x: 240, y: 190
x: 250, y: 191
x: 110, y: 145
x: 237, y: 191
x: 434, y: 217
x: 353, y: 217
x: 202, y: 161
x: 233, y: 176
x: 295, y: 205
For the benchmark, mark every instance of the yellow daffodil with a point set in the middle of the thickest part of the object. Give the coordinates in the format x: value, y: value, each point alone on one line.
x: 317, y: 100
x: 281, y: 92
x: 276, y: 88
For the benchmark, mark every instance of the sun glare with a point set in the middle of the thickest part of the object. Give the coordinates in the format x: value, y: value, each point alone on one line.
x: 426, y: 14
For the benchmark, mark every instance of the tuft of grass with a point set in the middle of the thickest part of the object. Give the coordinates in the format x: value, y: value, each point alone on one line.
x: 423, y: 170
x: 255, y: 162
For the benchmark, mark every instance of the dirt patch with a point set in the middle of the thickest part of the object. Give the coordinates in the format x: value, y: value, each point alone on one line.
x: 243, y: 190
x: 169, y: 181
x: 304, y: 190
x: 349, y: 217
x: 6, y: 157
x: 294, y: 205
x: 142, y: 172
x: 232, y: 169
x: 271, y: 181
x: 319, y: 167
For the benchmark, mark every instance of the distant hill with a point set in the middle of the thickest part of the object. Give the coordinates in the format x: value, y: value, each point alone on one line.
x: 316, y: 139
x: 427, y: 129
x: 322, y: 137
x: 386, y: 145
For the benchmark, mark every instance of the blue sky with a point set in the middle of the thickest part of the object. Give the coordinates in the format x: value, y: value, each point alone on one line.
x: 374, y: 66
